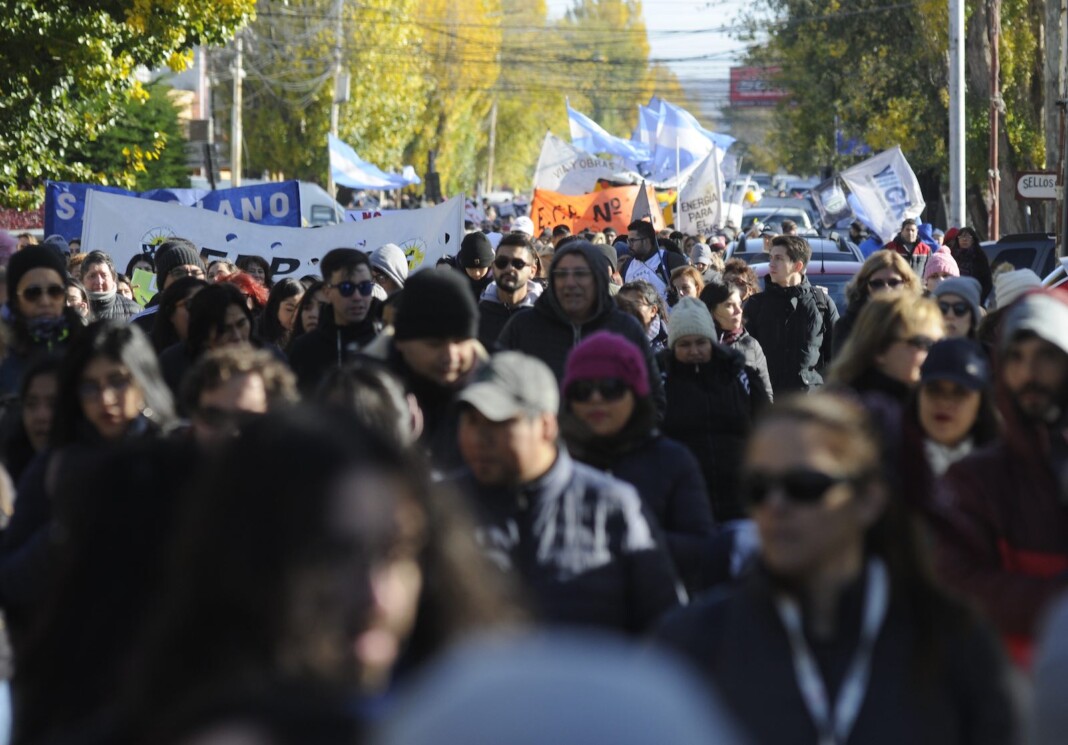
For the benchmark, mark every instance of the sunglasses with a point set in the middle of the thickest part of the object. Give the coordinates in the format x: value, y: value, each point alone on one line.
x: 92, y: 389
x: 348, y: 289
x: 502, y: 262
x: 919, y: 343
x: 882, y: 284
x: 33, y: 293
x: 611, y: 389
x: 958, y: 309
x: 799, y: 486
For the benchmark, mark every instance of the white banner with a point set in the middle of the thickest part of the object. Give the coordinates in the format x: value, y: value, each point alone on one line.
x: 565, y: 169
x: 124, y: 226
x: 887, y: 191
x: 699, y: 208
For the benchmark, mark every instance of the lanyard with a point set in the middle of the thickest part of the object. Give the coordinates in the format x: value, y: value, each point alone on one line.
x: 834, y: 725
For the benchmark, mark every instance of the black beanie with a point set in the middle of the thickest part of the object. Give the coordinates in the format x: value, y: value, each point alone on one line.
x: 436, y: 304
x: 36, y: 257
x: 475, y: 251
x: 174, y: 254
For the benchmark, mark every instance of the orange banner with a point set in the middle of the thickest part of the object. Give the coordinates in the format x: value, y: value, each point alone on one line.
x: 608, y: 208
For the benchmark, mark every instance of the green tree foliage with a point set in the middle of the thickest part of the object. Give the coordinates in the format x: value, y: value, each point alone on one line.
x: 67, y: 70
x: 144, y: 147
x: 882, y: 71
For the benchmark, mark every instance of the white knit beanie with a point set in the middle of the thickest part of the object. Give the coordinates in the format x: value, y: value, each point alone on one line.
x: 1010, y: 285
x: 690, y: 318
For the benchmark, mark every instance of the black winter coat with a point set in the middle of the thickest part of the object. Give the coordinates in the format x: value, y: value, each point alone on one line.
x: 115, y: 306
x: 546, y: 332
x: 315, y: 353
x: 710, y: 409
x: 754, y: 358
x: 790, y: 327
x: 737, y: 640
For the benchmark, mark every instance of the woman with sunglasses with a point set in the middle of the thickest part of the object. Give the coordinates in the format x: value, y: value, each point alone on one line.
x: 958, y: 299
x: 38, y: 317
x: 840, y: 635
x: 884, y: 273
x: 888, y: 346
x: 609, y: 422
x: 711, y: 398
x: 109, y: 389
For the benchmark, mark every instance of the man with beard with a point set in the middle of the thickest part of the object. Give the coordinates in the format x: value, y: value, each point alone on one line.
x: 513, y: 269
x: 1005, y: 538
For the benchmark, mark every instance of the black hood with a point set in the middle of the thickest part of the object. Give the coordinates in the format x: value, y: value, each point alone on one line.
x: 548, y: 302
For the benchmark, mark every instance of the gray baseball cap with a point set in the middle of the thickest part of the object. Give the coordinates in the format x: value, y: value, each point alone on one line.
x: 510, y: 384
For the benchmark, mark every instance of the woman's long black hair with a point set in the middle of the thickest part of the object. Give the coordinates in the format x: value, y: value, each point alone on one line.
x: 163, y: 333
x: 271, y: 330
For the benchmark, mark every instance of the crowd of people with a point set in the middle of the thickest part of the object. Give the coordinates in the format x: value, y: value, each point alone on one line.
x: 558, y: 488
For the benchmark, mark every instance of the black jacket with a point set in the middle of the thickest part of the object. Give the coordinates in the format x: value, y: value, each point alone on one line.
x: 329, y: 346
x: 710, y: 410
x: 493, y: 315
x: 546, y: 332
x: 581, y: 542
x: 736, y: 639
x: 668, y: 479
x: 789, y: 324
x: 754, y: 358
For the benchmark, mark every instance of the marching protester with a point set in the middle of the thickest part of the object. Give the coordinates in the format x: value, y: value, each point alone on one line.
x: 1004, y: 544
x: 883, y: 274
x: 609, y: 422
x: 640, y: 299
x: 792, y: 319
x: 971, y: 260
x: 581, y: 543
x: 280, y: 313
x: 840, y: 625
x: 101, y: 281
x: 172, y: 317
x: 724, y: 302
x: 958, y: 299
x: 513, y: 288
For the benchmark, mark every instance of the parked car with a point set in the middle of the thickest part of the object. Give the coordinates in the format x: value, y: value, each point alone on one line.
x: 1035, y: 251
x: 832, y: 276
x: 776, y: 215
x: 823, y: 249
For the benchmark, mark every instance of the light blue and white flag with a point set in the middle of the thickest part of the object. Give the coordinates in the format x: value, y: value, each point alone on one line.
x: 648, y: 122
x: 682, y: 142
x: 589, y: 136
x: 350, y: 170
x: 886, y: 191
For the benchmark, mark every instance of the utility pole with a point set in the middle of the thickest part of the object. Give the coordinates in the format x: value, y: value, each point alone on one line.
x: 235, y: 119
x: 492, y: 145
x: 956, y: 115
x: 994, y: 228
x: 335, y: 106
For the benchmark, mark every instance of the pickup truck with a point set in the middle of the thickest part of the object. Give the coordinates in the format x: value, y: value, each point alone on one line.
x: 1035, y: 251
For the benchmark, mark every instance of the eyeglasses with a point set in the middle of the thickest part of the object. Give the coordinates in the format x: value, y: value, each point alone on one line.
x: 919, y: 343
x: 33, y: 293
x: 799, y: 486
x: 960, y: 309
x: 502, y: 262
x: 577, y: 274
x: 348, y: 289
x: 611, y: 389
x: 882, y: 284
x: 117, y: 384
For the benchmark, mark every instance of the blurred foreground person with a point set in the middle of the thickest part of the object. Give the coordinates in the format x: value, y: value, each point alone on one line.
x: 840, y: 636
x: 303, y: 604
x: 1007, y: 545
x: 560, y: 689
x: 579, y: 540
x: 110, y: 390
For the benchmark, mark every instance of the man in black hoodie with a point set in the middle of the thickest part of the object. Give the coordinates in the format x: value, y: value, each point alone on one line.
x: 575, y: 304
x: 347, y: 324
x: 513, y: 287
x: 791, y: 319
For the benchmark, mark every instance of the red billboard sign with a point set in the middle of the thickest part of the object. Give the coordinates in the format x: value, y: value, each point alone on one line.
x: 752, y: 86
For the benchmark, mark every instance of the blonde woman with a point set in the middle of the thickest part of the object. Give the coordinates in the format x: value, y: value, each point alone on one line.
x: 888, y: 345
x: 884, y: 272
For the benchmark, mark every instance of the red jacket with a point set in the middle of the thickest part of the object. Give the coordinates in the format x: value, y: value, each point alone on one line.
x: 1004, y: 538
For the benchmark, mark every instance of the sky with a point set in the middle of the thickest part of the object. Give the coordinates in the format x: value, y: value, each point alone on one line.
x: 693, y: 37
